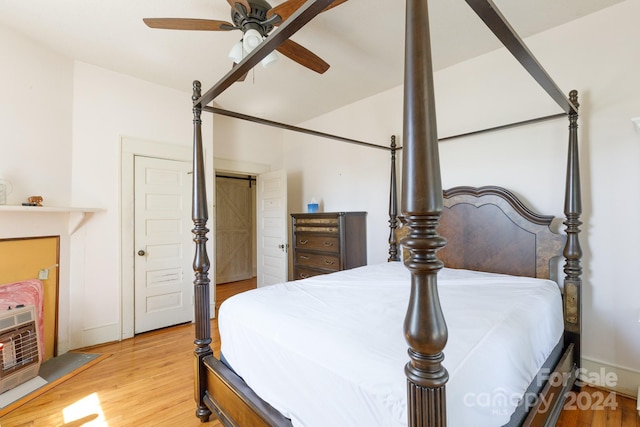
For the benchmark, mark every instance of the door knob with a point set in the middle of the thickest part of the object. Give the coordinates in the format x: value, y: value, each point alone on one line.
x: 141, y: 252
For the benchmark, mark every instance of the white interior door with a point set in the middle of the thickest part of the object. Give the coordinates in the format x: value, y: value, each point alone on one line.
x: 271, y: 202
x: 162, y: 243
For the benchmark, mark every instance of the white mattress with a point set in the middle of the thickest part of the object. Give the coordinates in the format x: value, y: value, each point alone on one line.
x: 330, y: 350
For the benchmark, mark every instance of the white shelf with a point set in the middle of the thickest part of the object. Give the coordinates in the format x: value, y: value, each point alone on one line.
x: 76, y: 215
x: 40, y: 209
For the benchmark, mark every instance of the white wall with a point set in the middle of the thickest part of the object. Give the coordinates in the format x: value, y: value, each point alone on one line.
x: 108, y: 106
x: 347, y: 177
x: 598, y: 56
x: 35, y: 120
x: 239, y: 140
x: 35, y: 145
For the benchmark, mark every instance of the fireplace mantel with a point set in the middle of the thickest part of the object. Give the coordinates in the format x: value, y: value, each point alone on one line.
x: 76, y: 215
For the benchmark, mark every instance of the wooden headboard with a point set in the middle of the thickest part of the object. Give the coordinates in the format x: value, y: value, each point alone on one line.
x: 490, y: 229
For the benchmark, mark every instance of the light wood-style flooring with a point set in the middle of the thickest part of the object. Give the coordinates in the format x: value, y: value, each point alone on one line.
x: 148, y: 381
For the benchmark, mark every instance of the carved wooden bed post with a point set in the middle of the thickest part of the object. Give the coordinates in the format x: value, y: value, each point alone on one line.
x: 200, y: 261
x: 424, y: 327
x: 572, y: 251
x: 393, y: 206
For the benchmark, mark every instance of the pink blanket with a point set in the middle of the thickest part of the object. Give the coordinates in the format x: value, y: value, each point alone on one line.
x: 27, y: 292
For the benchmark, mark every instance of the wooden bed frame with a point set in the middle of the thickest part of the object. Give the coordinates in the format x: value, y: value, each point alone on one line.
x: 528, y: 248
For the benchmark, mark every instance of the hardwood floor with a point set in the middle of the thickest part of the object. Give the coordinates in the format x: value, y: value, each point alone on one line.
x: 148, y: 381
x: 599, y: 408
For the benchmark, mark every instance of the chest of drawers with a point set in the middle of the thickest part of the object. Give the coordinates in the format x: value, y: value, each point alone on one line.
x: 328, y: 242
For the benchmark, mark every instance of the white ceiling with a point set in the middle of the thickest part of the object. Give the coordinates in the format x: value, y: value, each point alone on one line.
x: 362, y: 40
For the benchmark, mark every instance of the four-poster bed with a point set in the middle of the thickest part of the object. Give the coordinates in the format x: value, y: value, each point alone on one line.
x: 524, y: 250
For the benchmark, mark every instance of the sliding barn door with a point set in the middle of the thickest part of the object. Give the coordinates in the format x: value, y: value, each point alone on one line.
x: 272, y: 228
x: 234, y: 229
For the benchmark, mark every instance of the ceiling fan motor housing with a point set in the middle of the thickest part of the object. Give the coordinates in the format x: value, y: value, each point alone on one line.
x: 256, y: 18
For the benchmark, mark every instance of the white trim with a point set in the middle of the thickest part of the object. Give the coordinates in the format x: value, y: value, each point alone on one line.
x: 628, y: 380
x: 131, y: 147
x: 239, y: 166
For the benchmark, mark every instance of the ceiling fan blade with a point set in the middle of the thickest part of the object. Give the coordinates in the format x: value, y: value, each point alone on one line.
x: 188, y: 24
x: 245, y: 3
x: 286, y: 9
x: 303, y: 56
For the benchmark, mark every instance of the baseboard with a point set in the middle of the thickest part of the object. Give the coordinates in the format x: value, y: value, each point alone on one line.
x: 611, y: 377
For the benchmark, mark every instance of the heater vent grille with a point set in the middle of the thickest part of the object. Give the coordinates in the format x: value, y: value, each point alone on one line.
x: 19, y: 347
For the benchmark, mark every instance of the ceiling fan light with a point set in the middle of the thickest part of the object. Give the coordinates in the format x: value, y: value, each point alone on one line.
x: 272, y: 58
x: 236, y: 53
x: 252, y: 38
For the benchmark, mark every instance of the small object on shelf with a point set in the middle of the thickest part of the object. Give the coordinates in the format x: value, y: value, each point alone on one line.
x: 29, y: 204
x: 34, y: 201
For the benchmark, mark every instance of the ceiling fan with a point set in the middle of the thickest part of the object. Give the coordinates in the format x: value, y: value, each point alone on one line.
x: 256, y: 19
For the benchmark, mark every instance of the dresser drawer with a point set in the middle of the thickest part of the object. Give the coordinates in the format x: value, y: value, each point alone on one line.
x: 324, y: 261
x: 310, y: 241
x: 325, y: 242
x: 305, y: 273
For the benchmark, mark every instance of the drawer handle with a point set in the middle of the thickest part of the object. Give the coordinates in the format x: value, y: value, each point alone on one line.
x: 303, y: 242
x: 328, y: 244
x: 304, y: 257
x: 304, y: 276
x: 329, y: 261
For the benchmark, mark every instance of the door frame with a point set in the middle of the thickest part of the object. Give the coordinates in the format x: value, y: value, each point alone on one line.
x: 131, y: 147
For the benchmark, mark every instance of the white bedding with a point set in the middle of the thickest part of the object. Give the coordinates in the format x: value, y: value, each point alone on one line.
x: 330, y: 350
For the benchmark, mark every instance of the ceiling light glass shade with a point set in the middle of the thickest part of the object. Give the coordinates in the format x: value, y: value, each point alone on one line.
x: 252, y: 38
x: 270, y: 59
x: 236, y: 53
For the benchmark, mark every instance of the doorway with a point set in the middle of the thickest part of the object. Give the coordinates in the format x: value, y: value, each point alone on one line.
x: 235, y: 234
x: 163, y: 290
x: 130, y: 148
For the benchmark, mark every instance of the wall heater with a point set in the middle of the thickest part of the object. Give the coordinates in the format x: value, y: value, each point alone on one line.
x: 19, y: 346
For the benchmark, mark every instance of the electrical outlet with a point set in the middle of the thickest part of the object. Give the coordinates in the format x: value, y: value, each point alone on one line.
x: 43, y: 274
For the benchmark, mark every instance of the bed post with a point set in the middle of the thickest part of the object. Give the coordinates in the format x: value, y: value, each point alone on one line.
x: 393, y: 205
x: 200, y: 262
x: 424, y: 326
x: 572, y: 251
